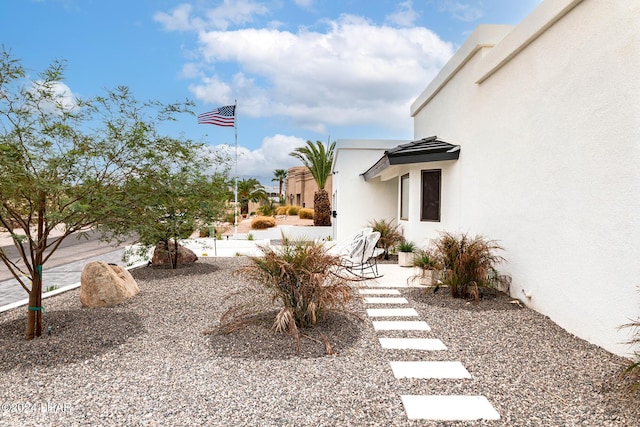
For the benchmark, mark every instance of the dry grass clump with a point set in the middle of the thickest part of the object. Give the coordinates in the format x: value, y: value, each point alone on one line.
x: 305, y: 213
x: 302, y: 277
x: 263, y: 222
x: 470, y: 264
x: 282, y: 210
x: 632, y: 371
x: 293, y: 210
x: 390, y: 234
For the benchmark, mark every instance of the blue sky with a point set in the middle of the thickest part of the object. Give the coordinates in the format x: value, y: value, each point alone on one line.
x: 299, y: 69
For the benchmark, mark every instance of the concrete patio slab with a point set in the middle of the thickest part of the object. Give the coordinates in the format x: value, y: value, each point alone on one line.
x: 379, y: 292
x: 392, y: 312
x: 427, y: 369
x: 412, y: 344
x: 448, y: 408
x: 400, y: 325
x: 383, y: 300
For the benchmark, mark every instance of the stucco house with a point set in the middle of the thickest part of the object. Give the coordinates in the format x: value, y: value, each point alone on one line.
x: 529, y: 135
x: 301, y: 187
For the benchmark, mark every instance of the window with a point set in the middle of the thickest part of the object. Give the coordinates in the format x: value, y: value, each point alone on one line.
x: 404, y: 197
x: 430, y: 195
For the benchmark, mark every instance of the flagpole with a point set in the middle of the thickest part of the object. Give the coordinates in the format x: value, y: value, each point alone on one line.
x: 235, y: 190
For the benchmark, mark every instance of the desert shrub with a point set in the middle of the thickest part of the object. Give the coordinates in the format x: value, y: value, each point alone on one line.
x: 293, y: 210
x: 469, y: 263
x: 229, y: 217
x: 268, y: 208
x: 389, y: 234
x: 263, y: 222
x: 282, y: 210
x: 206, y: 231
x: 305, y: 213
x: 425, y: 260
x: 632, y: 371
x: 406, y: 246
x: 302, y: 277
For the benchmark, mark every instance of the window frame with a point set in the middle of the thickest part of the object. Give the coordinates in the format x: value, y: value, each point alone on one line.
x: 424, y: 211
x: 404, y: 197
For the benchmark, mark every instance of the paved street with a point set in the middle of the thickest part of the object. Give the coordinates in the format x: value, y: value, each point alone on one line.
x: 62, y: 275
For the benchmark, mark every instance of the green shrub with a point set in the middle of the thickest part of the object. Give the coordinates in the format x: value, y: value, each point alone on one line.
x: 425, y: 260
x: 263, y: 222
x: 293, y: 210
x: 282, y: 210
x: 300, y: 275
x: 406, y: 246
x: 389, y: 234
x: 229, y: 218
x: 305, y: 213
x: 469, y: 263
x: 268, y: 208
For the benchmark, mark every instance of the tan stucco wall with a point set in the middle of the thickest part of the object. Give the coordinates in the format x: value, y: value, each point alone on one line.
x: 300, y: 187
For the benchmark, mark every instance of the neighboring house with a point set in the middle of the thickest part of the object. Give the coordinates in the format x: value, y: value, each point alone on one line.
x: 538, y: 146
x: 300, y: 187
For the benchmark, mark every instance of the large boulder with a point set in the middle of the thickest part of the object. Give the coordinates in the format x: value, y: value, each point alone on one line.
x: 161, y: 254
x: 104, y: 285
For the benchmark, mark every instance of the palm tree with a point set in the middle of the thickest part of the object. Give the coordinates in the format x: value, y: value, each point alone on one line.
x: 318, y: 160
x: 279, y: 175
x: 249, y: 190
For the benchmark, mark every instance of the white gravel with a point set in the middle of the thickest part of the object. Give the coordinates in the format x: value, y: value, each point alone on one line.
x: 148, y: 362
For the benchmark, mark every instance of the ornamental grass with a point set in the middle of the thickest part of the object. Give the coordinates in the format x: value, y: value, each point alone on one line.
x: 303, y: 279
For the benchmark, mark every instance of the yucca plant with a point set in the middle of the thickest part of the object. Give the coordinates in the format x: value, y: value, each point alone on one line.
x: 302, y: 277
x: 469, y: 263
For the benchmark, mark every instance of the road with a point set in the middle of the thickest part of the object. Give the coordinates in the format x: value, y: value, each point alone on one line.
x: 71, y: 249
x: 63, y: 268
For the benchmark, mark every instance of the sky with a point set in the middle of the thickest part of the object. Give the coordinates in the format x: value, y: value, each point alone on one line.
x: 317, y: 70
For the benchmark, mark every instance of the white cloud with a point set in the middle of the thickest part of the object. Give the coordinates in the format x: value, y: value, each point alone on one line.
x: 230, y: 12
x: 272, y: 154
x: 60, y: 94
x: 354, y: 73
x: 405, y: 16
x: 466, y: 12
x: 305, y: 4
x: 212, y: 89
x: 179, y: 19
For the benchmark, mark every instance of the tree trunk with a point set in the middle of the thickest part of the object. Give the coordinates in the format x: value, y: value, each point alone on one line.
x: 321, y: 208
x: 34, y: 315
x: 173, y: 254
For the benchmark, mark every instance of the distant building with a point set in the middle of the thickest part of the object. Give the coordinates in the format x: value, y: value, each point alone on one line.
x: 300, y: 187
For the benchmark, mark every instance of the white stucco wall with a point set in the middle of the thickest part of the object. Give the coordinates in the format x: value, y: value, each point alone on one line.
x: 358, y: 202
x: 422, y: 232
x: 549, y: 164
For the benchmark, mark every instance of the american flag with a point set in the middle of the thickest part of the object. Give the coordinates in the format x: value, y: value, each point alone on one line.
x: 222, y: 116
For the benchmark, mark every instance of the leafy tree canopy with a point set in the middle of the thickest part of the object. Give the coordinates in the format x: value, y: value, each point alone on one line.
x: 77, y: 163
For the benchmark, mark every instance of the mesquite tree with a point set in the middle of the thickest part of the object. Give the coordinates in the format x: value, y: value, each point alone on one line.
x: 172, y: 202
x: 68, y: 163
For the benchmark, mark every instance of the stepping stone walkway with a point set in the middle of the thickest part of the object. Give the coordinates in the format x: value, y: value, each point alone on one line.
x: 423, y: 407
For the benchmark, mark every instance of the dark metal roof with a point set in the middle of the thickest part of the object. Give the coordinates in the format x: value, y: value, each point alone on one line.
x: 421, y: 151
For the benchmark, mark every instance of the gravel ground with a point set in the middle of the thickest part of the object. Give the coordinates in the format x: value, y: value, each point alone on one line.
x: 160, y: 360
